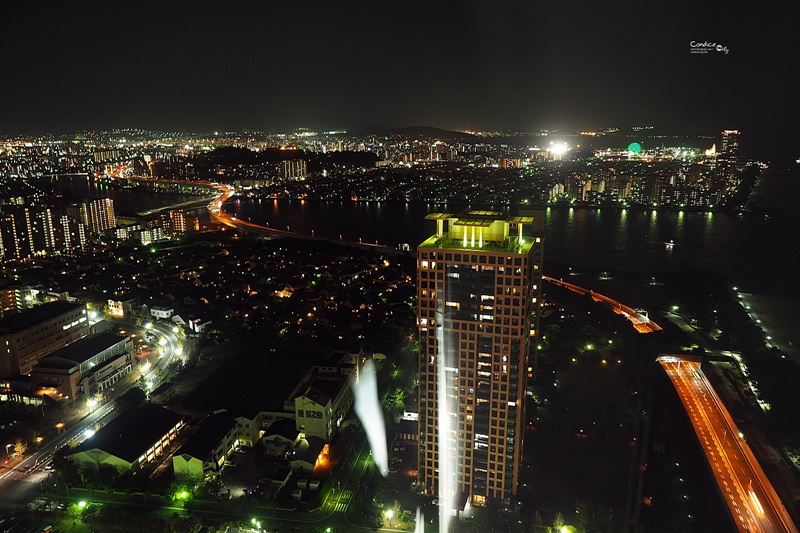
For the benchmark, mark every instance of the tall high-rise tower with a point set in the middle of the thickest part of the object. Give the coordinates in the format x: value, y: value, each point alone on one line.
x: 727, y: 158
x: 101, y: 214
x: 478, y: 296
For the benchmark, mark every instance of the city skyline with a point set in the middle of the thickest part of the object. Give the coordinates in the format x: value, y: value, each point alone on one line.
x: 526, y: 67
x: 270, y: 266
x: 552, y: 382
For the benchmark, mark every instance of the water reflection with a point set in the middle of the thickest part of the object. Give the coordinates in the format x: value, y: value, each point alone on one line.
x: 750, y: 248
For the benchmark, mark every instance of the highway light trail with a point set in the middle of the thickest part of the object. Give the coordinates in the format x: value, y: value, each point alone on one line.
x: 641, y: 322
x: 748, y: 493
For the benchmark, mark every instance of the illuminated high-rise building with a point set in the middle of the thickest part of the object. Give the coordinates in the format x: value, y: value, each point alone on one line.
x: 27, y: 231
x: 729, y: 143
x: 478, y: 299
x: 101, y: 215
x: 79, y: 213
x: 44, y: 233
x: 727, y: 158
x: 293, y: 169
x: 177, y: 221
x: 9, y: 247
x: 73, y: 234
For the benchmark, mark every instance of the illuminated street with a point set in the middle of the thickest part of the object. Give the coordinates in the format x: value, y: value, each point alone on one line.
x: 749, y: 495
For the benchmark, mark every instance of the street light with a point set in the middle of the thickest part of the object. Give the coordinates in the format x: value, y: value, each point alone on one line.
x: 7, y: 454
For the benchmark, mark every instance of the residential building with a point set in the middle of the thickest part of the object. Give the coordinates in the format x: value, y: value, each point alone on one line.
x: 101, y: 214
x: 161, y: 313
x: 10, y: 300
x: 478, y: 290
x: 727, y: 158
x: 293, y: 169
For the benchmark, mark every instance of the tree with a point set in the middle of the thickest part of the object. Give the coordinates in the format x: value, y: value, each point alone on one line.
x: 209, y: 490
x: 131, y: 399
x: 74, y: 513
x: 68, y: 473
x: 20, y: 447
x: 558, y: 521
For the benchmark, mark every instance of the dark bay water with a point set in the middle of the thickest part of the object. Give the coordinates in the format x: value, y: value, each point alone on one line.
x: 126, y: 201
x: 756, y: 250
x: 749, y: 248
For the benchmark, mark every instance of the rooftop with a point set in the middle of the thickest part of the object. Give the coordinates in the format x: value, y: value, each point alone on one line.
x: 285, y: 427
x: 489, y: 231
x: 309, y: 449
x: 510, y: 245
x: 83, y: 349
x: 210, y: 434
x: 56, y: 364
x: 31, y: 317
x: 323, y: 388
x: 132, y: 433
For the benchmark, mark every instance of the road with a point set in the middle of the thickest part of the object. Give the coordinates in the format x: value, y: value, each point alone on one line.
x: 24, y: 480
x: 641, y: 322
x: 171, y: 350
x: 748, y: 493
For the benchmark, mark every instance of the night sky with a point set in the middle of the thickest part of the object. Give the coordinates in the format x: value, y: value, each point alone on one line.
x: 458, y: 65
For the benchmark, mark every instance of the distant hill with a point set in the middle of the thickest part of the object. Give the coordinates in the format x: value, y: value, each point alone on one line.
x: 419, y: 132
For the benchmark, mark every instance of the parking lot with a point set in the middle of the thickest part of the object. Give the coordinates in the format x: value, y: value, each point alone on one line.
x: 244, y: 472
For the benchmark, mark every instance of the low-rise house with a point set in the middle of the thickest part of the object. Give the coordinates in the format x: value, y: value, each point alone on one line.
x: 161, y: 312
x: 308, y: 453
x: 280, y: 436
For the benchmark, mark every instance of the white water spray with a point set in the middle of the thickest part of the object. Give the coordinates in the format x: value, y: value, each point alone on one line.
x: 446, y: 414
x: 368, y: 409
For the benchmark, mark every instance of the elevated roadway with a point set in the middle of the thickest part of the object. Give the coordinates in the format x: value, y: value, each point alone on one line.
x: 749, y: 495
x: 640, y: 321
